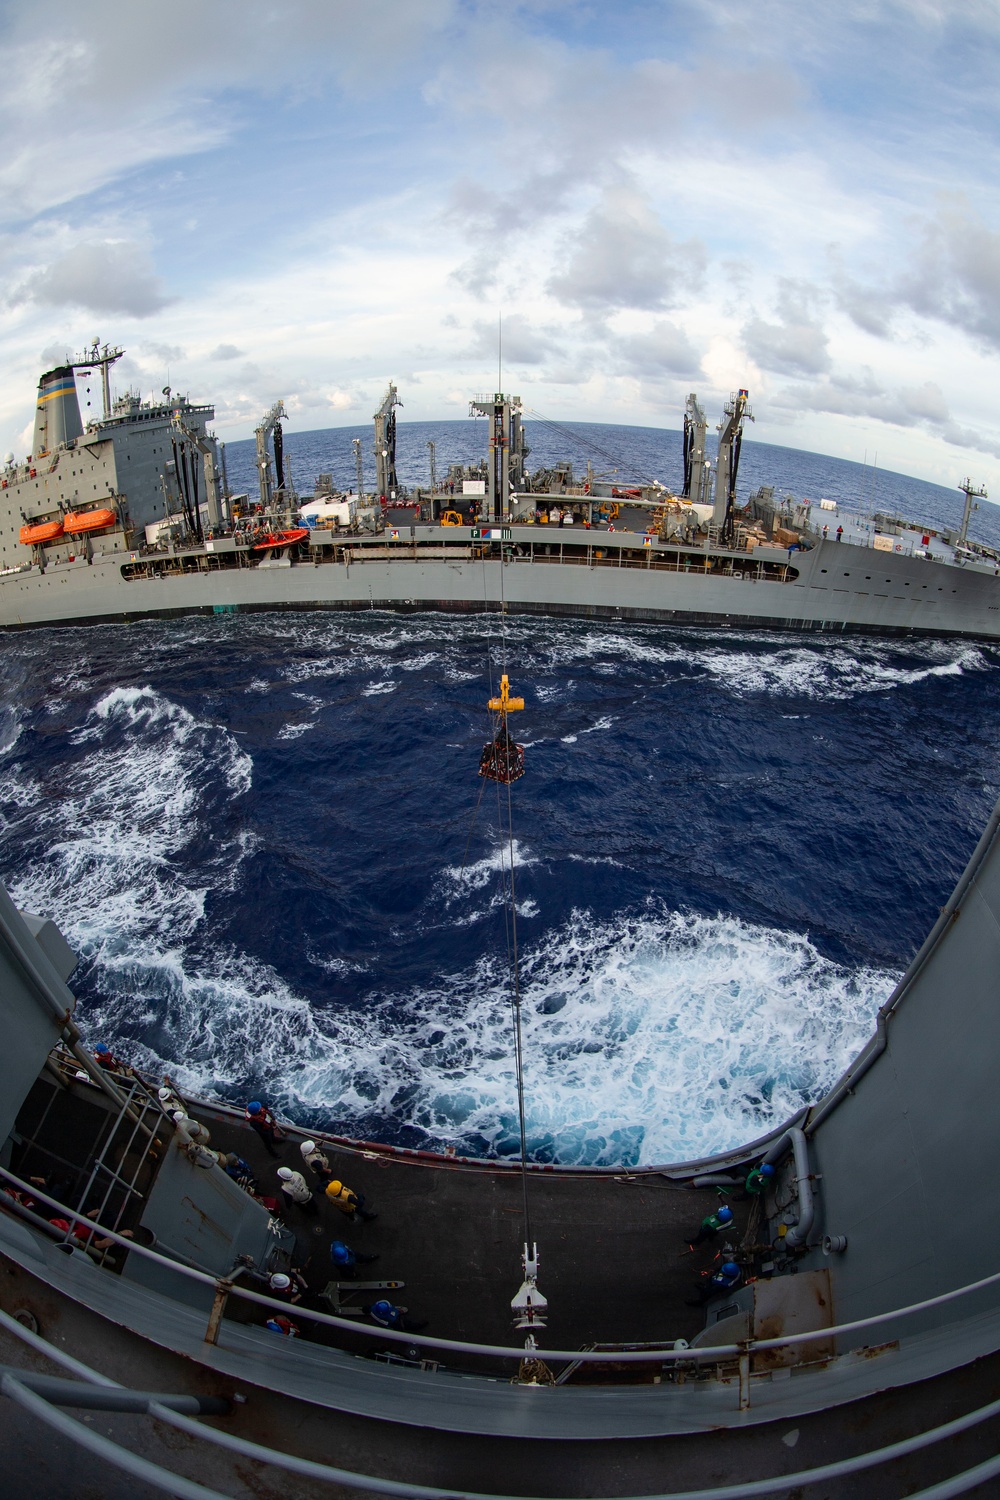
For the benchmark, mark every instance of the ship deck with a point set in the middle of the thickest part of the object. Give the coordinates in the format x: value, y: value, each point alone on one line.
x: 615, y: 1260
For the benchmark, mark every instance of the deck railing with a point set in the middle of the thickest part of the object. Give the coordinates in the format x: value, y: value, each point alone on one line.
x: 668, y: 1354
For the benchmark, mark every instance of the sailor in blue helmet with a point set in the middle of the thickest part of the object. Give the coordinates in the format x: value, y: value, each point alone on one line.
x: 345, y: 1260
x: 260, y: 1118
x: 387, y: 1315
x: 758, y: 1179
x: 725, y: 1279
x: 711, y: 1225
x: 108, y: 1060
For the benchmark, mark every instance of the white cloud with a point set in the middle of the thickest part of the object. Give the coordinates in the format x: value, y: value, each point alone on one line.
x: 796, y: 344
x: 106, y: 277
x: 665, y: 349
x: 622, y: 256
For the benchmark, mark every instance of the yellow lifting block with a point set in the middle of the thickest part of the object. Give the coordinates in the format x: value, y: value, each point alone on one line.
x: 505, y: 704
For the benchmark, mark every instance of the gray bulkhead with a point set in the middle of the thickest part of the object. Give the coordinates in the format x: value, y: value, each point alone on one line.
x: 903, y: 1145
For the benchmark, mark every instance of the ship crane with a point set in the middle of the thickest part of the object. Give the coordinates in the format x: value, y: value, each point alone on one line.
x: 730, y: 441
x: 206, y: 447
x: 697, y: 467
x: 270, y: 424
x: 386, y: 483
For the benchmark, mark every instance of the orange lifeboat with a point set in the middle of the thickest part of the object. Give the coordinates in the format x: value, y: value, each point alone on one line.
x: 45, y: 531
x: 88, y: 520
x: 280, y: 538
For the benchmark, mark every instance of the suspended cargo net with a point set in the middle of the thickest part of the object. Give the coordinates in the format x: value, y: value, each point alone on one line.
x: 502, y: 760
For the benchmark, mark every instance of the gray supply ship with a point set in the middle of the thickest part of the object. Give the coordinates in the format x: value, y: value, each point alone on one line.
x: 132, y: 516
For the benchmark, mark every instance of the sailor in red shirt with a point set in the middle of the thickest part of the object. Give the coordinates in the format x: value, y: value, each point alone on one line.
x: 260, y: 1118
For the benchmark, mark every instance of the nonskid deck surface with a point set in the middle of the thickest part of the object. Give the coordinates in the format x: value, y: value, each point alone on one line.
x: 615, y: 1262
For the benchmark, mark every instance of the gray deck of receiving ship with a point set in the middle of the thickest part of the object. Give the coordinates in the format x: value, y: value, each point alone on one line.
x: 898, y: 1156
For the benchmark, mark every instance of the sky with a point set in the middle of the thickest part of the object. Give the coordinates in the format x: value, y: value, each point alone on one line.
x: 303, y: 199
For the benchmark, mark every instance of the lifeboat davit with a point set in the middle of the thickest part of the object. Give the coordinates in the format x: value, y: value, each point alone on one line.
x: 45, y: 531
x: 280, y: 538
x: 88, y: 520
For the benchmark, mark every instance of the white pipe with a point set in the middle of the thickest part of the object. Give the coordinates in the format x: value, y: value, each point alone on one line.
x: 794, y: 1137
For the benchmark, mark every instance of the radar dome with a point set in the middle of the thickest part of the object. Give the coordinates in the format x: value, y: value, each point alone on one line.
x: 8, y: 458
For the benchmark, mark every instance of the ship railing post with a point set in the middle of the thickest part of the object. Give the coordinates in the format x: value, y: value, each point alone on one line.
x: 222, y: 1290
x: 745, y: 1375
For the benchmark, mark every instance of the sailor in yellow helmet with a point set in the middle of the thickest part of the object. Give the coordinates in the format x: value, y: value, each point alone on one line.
x: 352, y: 1205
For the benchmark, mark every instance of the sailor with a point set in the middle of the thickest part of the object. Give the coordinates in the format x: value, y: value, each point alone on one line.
x: 725, y: 1279
x: 387, y: 1315
x: 241, y: 1172
x: 316, y: 1161
x: 296, y: 1190
x: 286, y: 1286
x: 260, y: 1118
x: 352, y: 1205
x: 840, y: 533
x: 344, y: 1259
x: 108, y: 1060
x: 169, y: 1097
x: 280, y: 1324
x: 710, y: 1226
x: 758, y: 1179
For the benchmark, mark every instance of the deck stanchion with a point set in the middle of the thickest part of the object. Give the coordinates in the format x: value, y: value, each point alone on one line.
x: 222, y: 1290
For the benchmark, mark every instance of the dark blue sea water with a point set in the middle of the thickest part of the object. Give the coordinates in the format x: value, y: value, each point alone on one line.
x: 261, y: 834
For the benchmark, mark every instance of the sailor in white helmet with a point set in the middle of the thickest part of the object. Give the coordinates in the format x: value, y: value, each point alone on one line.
x: 314, y: 1159
x: 169, y: 1098
x: 296, y: 1190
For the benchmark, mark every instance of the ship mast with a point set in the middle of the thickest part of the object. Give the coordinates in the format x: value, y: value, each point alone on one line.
x: 100, y: 358
x: 971, y: 493
x: 507, y: 450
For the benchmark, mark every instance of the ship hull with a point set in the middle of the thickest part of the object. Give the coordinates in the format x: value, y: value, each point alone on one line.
x: 832, y: 588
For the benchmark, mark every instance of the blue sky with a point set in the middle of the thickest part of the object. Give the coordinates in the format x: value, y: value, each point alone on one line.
x: 305, y: 198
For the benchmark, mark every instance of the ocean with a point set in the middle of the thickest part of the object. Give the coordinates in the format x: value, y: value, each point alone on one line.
x: 265, y: 837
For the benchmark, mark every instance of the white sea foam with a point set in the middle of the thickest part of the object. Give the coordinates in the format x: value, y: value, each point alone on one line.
x: 657, y: 1038
x: 486, y: 871
x: 131, y: 805
x: 750, y: 663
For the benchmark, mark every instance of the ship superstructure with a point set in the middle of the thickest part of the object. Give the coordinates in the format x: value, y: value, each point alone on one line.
x: 95, y: 490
